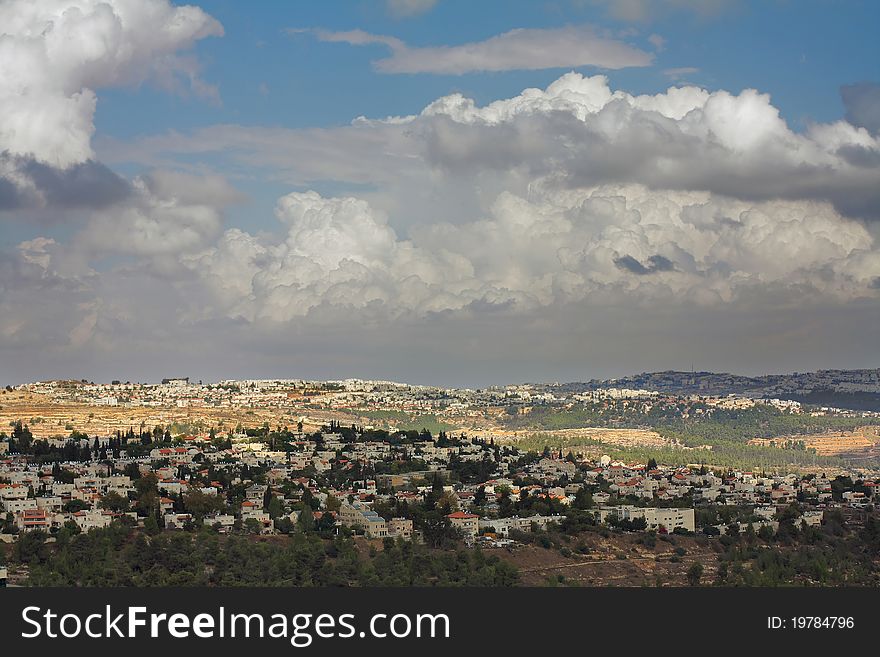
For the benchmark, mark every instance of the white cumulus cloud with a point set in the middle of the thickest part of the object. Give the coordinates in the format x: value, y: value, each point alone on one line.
x: 561, y: 247
x: 563, y: 225
x: 54, y: 54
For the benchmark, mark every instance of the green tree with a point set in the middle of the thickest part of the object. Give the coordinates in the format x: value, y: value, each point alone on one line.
x: 284, y: 525
x: 114, y: 502
x: 31, y: 548
x: 132, y: 471
x: 583, y: 499
x: 73, y: 506
x: 147, y: 492
x: 695, y: 574
x: 438, y: 530
x: 22, y: 437
x: 151, y: 525
x: 306, y: 521
x: 201, y: 504
x: 275, y: 508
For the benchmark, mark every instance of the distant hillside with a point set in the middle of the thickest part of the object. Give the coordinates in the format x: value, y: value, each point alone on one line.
x: 856, y: 401
x: 850, y: 389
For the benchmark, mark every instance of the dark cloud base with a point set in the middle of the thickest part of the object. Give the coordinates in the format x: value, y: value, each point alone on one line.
x: 89, y: 185
x: 561, y: 343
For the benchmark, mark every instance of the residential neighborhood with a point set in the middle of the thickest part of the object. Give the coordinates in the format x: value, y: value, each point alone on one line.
x: 365, y: 468
x: 379, y: 484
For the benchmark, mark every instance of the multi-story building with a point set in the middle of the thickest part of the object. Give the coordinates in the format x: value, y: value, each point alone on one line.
x: 504, y: 525
x: 372, y: 523
x: 669, y: 519
x: 34, y: 519
x: 467, y: 523
x: 400, y: 528
x: 87, y: 520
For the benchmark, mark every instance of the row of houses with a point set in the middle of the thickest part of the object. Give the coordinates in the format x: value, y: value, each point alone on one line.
x: 34, y: 519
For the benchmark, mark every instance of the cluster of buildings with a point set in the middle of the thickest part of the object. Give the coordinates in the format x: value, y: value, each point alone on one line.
x: 32, y: 499
x: 672, y: 395
x: 767, y: 386
x: 328, y: 470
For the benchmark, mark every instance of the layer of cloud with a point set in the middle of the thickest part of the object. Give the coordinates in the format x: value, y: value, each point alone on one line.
x: 647, y: 10
x: 578, y: 131
x: 862, y: 102
x: 576, y: 194
x: 562, y: 229
x: 553, y: 229
x: 687, y: 138
x: 54, y: 55
x: 520, y: 49
x: 28, y: 183
x: 168, y: 213
x: 680, y: 72
x: 560, y: 247
x: 588, y: 267
x: 409, y: 8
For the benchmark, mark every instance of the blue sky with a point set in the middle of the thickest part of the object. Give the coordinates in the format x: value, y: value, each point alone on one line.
x: 571, y: 188
x: 799, y: 52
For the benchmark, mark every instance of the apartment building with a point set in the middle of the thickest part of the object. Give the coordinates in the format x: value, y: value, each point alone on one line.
x: 467, y: 523
x: 669, y: 519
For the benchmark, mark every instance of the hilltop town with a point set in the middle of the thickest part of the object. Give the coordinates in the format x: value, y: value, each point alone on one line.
x: 368, y: 487
x: 729, y: 428
x: 853, y: 389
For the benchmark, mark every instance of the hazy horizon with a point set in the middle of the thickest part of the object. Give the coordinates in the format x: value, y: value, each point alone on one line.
x: 209, y: 381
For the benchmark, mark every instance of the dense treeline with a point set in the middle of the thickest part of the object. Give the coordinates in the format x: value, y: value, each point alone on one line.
x: 856, y: 400
x: 122, y: 556
x: 734, y: 455
x: 80, y: 447
x: 704, y: 424
x: 724, y: 433
x: 830, y: 555
x: 726, y: 426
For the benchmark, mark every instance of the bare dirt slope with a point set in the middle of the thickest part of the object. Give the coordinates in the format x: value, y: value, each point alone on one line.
x: 47, y: 418
x: 832, y: 443
x: 614, y: 561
